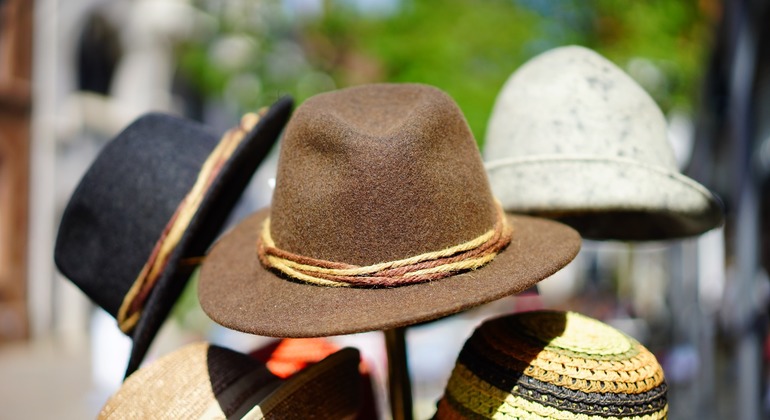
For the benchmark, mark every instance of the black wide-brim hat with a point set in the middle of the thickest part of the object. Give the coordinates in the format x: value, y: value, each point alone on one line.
x: 127, y: 198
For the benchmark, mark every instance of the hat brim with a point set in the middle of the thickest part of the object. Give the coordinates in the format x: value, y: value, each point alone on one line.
x: 236, y: 291
x: 220, y: 198
x: 603, y: 198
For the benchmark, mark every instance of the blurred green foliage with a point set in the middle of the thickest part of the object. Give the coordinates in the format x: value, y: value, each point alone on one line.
x: 675, y: 36
x: 467, y: 48
x: 463, y: 48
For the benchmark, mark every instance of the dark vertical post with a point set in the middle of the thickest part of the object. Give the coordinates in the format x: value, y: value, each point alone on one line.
x: 399, y: 385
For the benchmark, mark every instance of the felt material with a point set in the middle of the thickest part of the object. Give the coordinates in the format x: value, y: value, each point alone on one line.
x: 430, y: 266
x: 126, y: 198
x: 238, y: 293
x: 329, y: 389
x: 287, y: 356
x: 207, y: 381
x: 572, y: 137
x: 379, y: 173
x: 367, y: 175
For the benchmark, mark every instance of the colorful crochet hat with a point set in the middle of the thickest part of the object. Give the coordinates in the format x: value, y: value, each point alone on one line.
x: 207, y: 381
x: 572, y: 137
x: 553, y: 365
x: 151, y: 203
x: 382, y: 217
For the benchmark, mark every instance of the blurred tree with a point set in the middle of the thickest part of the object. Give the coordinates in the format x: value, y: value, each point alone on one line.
x: 460, y: 47
x: 467, y: 48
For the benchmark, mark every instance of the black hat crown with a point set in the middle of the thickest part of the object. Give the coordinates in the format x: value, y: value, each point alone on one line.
x: 129, y: 195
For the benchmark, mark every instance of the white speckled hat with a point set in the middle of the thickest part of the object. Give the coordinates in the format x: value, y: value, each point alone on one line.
x: 574, y: 138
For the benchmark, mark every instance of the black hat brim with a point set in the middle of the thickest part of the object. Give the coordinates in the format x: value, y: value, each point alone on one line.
x: 220, y: 198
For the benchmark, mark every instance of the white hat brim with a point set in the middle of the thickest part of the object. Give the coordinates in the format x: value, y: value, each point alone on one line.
x: 606, y: 198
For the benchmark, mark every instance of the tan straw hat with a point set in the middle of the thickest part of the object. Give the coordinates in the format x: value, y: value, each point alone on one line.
x: 574, y: 138
x: 382, y: 217
x: 209, y: 382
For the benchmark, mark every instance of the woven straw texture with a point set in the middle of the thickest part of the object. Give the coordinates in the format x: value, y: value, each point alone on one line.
x: 188, y: 383
x: 206, y: 381
x: 553, y: 365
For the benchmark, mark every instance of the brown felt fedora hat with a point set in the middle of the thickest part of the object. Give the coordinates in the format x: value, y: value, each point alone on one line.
x: 368, y: 175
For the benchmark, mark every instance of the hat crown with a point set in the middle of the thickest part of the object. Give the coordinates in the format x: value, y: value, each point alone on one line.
x: 125, y: 200
x: 196, y: 379
x: 554, y: 364
x: 571, y: 101
x: 378, y: 173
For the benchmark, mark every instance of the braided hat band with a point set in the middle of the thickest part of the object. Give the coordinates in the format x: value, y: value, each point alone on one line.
x: 130, y: 310
x: 429, y: 266
x: 553, y: 365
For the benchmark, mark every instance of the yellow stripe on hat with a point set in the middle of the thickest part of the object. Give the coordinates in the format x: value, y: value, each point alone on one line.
x: 484, y: 399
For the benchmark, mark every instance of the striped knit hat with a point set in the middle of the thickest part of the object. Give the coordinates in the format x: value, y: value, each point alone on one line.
x: 553, y: 365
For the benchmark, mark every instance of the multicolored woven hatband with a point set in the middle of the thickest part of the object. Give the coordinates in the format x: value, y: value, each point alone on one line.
x: 553, y: 365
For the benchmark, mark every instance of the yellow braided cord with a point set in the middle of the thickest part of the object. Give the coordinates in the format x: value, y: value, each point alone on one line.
x: 127, y: 315
x: 486, y: 400
x: 372, y: 269
x: 470, y: 264
x: 305, y: 272
x: 279, y: 264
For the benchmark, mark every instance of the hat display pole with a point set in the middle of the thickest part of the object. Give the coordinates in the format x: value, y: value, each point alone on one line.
x: 399, y: 386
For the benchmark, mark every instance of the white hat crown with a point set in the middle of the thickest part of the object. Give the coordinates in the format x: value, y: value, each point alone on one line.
x: 574, y: 138
x: 572, y: 101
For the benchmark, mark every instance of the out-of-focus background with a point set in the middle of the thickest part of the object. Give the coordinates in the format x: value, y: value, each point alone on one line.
x: 75, y: 72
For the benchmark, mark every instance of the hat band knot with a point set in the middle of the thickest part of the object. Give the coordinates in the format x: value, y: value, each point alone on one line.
x: 131, y: 309
x: 417, y: 269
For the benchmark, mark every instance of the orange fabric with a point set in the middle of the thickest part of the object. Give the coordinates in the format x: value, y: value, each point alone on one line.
x: 288, y: 356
